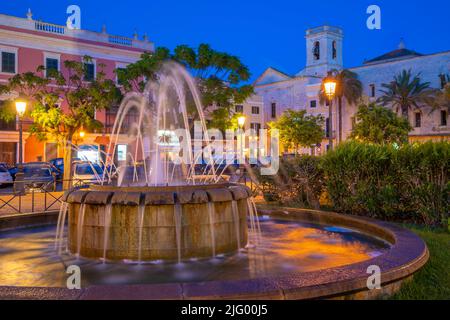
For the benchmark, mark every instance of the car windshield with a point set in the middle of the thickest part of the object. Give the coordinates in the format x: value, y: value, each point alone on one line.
x: 58, y: 162
x: 88, y: 169
x: 36, y: 171
x: 3, y: 169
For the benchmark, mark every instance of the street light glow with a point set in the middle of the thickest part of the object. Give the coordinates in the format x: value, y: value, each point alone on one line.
x: 330, y: 86
x: 241, y: 121
x: 21, y: 107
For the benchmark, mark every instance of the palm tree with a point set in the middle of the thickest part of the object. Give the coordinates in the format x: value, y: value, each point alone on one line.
x: 406, y: 92
x: 349, y: 88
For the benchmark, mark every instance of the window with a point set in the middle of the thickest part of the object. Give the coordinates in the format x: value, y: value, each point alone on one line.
x: 8, y: 62
x: 444, y: 118
x: 255, y: 110
x: 120, y: 81
x: 372, y: 90
x: 274, y: 110
x: 51, y: 64
x: 89, y: 71
x: 313, y: 103
x: 418, y: 120
x: 316, y: 51
x: 239, y: 109
x: 334, y: 50
x: 255, y: 126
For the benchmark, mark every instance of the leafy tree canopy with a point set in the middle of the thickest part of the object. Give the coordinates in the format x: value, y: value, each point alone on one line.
x: 61, y: 103
x: 379, y: 125
x: 220, y: 77
x: 297, y: 129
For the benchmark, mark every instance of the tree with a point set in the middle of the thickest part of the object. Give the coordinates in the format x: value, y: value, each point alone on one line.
x: 219, y: 77
x: 63, y: 103
x: 379, y: 125
x: 406, y: 92
x: 297, y: 129
x: 348, y: 87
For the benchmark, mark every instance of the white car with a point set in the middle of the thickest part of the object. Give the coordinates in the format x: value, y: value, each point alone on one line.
x: 85, y: 173
x: 5, y: 176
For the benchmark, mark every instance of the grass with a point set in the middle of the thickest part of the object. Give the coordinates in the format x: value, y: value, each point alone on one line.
x: 433, y: 281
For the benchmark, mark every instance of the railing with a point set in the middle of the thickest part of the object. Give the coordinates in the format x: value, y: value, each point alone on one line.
x: 124, y: 41
x: 39, y: 199
x: 51, y: 28
x: 48, y: 27
x: 47, y: 197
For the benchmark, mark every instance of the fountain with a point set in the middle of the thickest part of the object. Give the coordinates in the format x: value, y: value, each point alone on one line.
x: 181, y: 231
x: 169, y: 212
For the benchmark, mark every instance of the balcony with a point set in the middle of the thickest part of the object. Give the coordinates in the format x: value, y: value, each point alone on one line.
x: 49, y: 28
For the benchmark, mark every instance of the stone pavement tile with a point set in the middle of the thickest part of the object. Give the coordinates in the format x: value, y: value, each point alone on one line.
x: 134, y: 292
x: 29, y: 293
x: 245, y: 289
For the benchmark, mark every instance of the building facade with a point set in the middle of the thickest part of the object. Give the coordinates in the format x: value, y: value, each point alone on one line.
x: 26, y: 44
x: 324, y: 52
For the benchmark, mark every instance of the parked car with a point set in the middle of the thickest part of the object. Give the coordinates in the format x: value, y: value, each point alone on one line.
x: 5, y: 176
x: 85, y: 172
x: 58, y: 167
x: 38, y: 175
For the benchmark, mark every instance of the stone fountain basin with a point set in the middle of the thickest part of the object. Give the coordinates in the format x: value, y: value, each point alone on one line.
x: 212, y: 220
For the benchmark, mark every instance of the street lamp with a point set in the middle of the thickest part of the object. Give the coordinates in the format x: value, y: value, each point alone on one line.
x: 82, y: 134
x: 241, y: 121
x: 241, y: 124
x: 21, y: 107
x: 329, y: 86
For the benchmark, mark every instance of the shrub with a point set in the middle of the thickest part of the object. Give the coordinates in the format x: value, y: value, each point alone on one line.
x: 299, y: 181
x: 410, y: 183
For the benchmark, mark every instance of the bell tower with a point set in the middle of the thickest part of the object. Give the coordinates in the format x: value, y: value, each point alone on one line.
x: 323, y: 50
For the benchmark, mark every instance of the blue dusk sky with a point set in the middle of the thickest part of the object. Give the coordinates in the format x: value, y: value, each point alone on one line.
x: 262, y: 33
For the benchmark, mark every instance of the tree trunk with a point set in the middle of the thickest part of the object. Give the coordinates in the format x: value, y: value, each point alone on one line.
x: 340, y: 119
x: 67, y: 183
x: 405, y: 114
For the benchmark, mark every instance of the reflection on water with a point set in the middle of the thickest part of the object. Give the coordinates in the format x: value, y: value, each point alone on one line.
x: 27, y: 258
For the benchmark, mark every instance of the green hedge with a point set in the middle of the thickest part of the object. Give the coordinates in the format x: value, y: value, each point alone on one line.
x: 410, y: 183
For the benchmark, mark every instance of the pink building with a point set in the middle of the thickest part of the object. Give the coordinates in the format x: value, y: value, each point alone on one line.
x: 26, y: 44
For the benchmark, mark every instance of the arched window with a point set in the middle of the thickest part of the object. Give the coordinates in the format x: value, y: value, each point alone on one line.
x: 316, y: 50
x: 334, y: 50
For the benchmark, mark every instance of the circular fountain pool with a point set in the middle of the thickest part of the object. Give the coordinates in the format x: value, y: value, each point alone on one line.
x: 301, y: 254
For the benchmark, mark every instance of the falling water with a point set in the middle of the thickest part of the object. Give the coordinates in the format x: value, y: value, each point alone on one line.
x: 258, y: 225
x: 60, y: 226
x: 211, y: 213
x: 178, y: 213
x: 81, y: 214
x: 251, y: 218
x: 235, y: 210
x: 141, y: 215
x: 254, y: 221
x: 107, y: 228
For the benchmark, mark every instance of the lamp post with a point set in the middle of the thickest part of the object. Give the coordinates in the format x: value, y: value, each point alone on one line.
x: 241, y: 123
x: 329, y: 85
x: 21, y: 107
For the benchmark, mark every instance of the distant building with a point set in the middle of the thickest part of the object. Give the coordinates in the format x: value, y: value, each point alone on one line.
x: 281, y: 91
x: 26, y: 44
